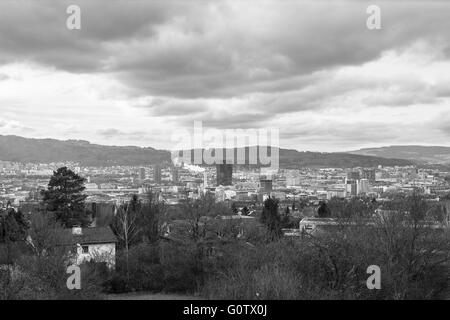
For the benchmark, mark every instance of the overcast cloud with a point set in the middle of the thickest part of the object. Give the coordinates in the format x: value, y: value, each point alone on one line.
x: 138, y: 70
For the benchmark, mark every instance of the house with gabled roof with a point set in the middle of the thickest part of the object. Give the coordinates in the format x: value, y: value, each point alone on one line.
x: 89, y: 244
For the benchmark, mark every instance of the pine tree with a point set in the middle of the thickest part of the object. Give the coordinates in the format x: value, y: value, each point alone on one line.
x: 271, y: 218
x: 323, y: 211
x: 64, y: 196
x: 13, y: 228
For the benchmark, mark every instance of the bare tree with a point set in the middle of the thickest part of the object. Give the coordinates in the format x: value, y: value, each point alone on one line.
x: 125, y: 227
x: 196, y: 212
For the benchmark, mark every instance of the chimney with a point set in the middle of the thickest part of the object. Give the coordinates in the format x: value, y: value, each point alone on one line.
x: 77, y: 231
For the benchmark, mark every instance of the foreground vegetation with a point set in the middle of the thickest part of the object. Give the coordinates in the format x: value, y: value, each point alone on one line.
x: 329, y: 265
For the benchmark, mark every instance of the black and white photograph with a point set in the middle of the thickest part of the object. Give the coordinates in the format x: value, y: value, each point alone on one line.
x: 221, y: 156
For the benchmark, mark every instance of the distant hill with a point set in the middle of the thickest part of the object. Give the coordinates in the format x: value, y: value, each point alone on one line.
x: 19, y: 149
x: 289, y: 158
x: 423, y: 154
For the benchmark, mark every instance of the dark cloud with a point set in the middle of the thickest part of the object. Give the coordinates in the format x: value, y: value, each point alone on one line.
x: 301, y: 39
x: 37, y: 30
x: 204, y: 49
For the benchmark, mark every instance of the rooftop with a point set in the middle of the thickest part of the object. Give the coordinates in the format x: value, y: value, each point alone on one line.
x: 88, y: 236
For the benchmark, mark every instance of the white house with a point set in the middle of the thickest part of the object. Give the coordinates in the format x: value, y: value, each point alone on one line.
x: 86, y: 244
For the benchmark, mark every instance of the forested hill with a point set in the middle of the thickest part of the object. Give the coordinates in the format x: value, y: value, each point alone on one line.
x: 424, y: 154
x: 18, y: 149
x: 26, y: 150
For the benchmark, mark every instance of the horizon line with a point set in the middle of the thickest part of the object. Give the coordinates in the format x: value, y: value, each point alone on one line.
x: 246, y: 146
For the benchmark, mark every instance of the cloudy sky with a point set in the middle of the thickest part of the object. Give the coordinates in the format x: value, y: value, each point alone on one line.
x: 139, y: 70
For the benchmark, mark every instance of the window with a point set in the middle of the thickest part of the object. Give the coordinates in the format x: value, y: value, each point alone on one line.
x: 85, y: 249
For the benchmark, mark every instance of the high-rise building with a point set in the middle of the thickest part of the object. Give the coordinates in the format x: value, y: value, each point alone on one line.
x: 175, y: 177
x: 224, y: 174
x: 142, y: 173
x: 363, y: 186
x: 351, y: 187
x: 157, y: 174
x: 266, y: 185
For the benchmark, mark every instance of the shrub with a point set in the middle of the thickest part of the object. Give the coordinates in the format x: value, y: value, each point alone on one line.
x: 183, y: 267
x: 145, y: 272
x: 332, y: 265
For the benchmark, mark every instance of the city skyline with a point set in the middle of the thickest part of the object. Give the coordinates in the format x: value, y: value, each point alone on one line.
x: 135, y: 73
